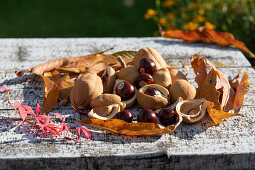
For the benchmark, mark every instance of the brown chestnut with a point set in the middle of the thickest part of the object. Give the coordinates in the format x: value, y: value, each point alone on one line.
x: 167, y: 116
x: 148, y: 116
x: 147, y: 65
x: 125, y: 90
x: 151, y: 91
x: 125, y: 115
x: 143, y: 79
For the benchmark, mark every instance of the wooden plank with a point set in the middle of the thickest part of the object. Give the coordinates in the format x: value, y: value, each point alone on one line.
x: 190, y: 146
x: 232, y: 136
x: 23, y: 53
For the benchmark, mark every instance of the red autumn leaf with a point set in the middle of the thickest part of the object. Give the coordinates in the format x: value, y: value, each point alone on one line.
x: 44, y: 122
x: 242, y: 89
x: 4, y: 89
x: 81, y: 130
x: 217, y: 115
x: 206, y: 35
x: 38, y: 108
x: 132, y: 129
x: 58, y: 115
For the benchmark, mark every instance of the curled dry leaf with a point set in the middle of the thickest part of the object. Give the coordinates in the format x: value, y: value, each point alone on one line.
x: 217, y: 115
x: 200, y: 65
x: 64, y: 83
x: 206, y: 35
x: 208, y: 89
x: 132, y: 129
x: 51, y: 95
x: 234, y: 82
x: 241, y: 90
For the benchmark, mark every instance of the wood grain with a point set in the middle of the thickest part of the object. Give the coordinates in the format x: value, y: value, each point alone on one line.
x: 227, y: 146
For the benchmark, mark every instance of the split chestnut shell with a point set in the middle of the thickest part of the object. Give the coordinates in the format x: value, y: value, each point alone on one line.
x: 153, y: 102
x: 129, y: 102
x: 108, y: 79
x: 86, y: 88
x: 191, y: 110
x: 106, y: 106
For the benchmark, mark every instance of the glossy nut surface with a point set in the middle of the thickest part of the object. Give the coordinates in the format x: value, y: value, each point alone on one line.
x: 167, y: 116
x: 148, y: 116
x: 125, y: 90
x: 125, y: 115
x: 143, y: 79
x: 147, y: 65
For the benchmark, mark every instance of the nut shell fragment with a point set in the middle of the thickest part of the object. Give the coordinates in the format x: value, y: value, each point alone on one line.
x: 86, y: 88
x: 149, y: 53
x: 152, y: 102
x: 182, y: 88
x: 128, y: 73
x: 176, y: 75
x: 191, y: 110
x: 108, y: 79
x: 162, y: 77
x: 106, y: 106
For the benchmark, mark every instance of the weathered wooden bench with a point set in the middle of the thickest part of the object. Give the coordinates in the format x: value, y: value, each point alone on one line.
x: 231, y: 145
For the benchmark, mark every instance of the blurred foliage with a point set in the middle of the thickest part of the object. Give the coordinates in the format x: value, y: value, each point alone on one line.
x: 233, y: 16
x: 78, y: 18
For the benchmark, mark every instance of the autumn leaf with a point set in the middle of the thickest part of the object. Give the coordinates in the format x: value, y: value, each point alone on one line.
x: 208, y: 89
x: 206, y: 35
x: 234, y: 82
x: 242, y: 89
x: 199, y: 68
x: 217, y: 115
x: 4, y: 89
x: 51, y: 95
x: 53, y: 64
x: 132, y: 129
x: 200, y: 65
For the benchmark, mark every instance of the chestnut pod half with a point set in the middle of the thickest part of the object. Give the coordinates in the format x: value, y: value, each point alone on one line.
x: 106, y: 106
x: 152, y: 96
x: 149, y: 53
x: 162, y: 77
x: 86, y: 88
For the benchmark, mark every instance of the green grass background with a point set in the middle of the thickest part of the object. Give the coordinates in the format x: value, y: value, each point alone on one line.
x: 74, y: 18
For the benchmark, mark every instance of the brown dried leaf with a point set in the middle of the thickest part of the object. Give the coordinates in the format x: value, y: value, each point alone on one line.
x: 231, y: 101
x: 234, y: 82
x: 208, y: 89
x: 132, y: 129
x: 200, y: 64
x: 51, y: 95
x: 199, y: 67
x: 54, y: 64
x: 217, y: 115
x: 242, y: 89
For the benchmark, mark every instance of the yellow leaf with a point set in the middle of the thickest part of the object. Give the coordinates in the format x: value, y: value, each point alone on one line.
x: 132, y: 129
x: 51, y: 95
x: 217, y: 115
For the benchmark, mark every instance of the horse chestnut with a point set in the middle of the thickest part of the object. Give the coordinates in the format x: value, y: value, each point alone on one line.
x: 148, y: 116
x: 125, y: 90
x: 151, y: 91
x: 125, y: 115
x: 147, y: 65
x: 167, y: 116
x: 143, y: 79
